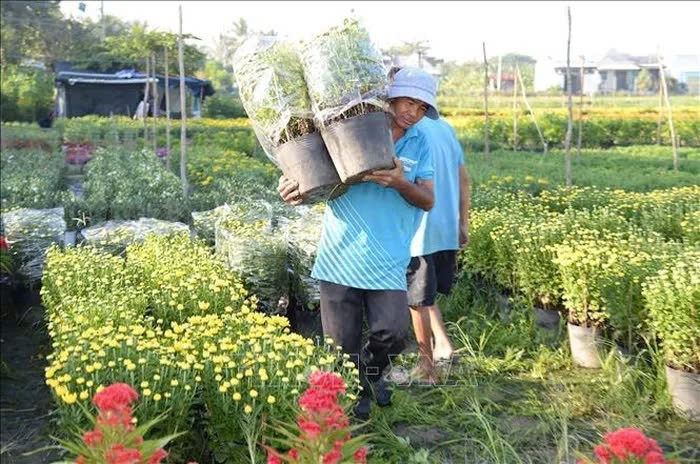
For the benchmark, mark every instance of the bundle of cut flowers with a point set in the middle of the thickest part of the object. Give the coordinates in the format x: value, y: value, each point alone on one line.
x: 322, y: 433
x: 627, y: 446
x: 114, y: 438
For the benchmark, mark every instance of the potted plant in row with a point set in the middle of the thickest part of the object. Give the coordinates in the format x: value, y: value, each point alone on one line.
x: 270, y: 77
x: 672, y: 297
x: 348, y: 85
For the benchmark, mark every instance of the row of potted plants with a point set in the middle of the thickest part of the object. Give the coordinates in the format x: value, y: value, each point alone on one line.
x: 596, y: 266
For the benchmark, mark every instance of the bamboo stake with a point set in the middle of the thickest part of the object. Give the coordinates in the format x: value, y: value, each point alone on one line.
x: 661, y: 112
x: 155, y: 105
x: 580, y: 110
x: 183, y: 112
x: 569, y: 122
x: 167, y: 110
x: 486, y: 105
x: 674, y: 141
x: 529, y: 108
x: 515, y: 110
x: 145, y: 103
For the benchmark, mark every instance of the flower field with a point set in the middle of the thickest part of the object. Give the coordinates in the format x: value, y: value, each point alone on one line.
x: 195, y: 322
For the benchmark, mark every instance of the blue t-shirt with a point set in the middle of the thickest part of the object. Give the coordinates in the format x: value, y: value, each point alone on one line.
x: 366, y: 236
x: 439, y: 228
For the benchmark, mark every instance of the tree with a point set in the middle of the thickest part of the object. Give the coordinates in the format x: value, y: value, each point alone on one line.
x: 644, y: 82
x: 32, y: 29
x: 228, y: 42
x: 132, y: 48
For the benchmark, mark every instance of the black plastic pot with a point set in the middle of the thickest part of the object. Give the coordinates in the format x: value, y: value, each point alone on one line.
x: 306, y: 160
x: 360, y: 145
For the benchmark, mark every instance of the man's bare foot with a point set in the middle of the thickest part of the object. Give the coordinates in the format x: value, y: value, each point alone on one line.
x: 442, y: 353
x: 424, y: 375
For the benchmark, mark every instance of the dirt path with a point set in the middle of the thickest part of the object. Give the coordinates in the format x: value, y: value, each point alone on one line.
x: 25, y: 401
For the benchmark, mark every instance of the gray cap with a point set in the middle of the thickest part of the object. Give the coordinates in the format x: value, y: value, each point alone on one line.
x: 418, y: 84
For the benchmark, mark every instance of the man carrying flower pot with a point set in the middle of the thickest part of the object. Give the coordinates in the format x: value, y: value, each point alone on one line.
x: 365, y: 243
x: 441, y: 234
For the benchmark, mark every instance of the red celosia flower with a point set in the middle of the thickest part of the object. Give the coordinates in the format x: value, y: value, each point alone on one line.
x: 309, y: 427
x: 332, y: 457
x: 3, y: 243
x: 327, y: 381
x: 293, y: 454
x: 628, y: 443
x: 119, y: 454
x: 361, y: 455
x: 116, y: 418
x: 272, y: 458
x: 80, y: 460
x: 93, y: 438
x: 115, y: 397
x: 314, y: 400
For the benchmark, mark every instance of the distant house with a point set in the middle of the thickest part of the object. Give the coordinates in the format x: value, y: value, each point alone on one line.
x: 417, y: 60
x: 616, y: 72
x: 83, y: 93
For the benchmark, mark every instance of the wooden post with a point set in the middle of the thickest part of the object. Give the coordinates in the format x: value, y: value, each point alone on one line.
x: 569, y: 122
x: 183, y: 112
x: 145, y: 103
x: 580, y: 110
x: 661, y: 112
x: 155, y: 104
x: 529, y: 109
x: 515, y: 110
x: 674, y: 141
x: 167, y: 110
x: 486, y: 104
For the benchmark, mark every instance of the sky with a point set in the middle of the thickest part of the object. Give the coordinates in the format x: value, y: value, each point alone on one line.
x: 454, y: 30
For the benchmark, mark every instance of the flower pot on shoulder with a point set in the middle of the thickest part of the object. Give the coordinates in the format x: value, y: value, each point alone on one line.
x: 306, y: 160
x: 360, y: 144
x: 684, y: 388
x: 584, y: 342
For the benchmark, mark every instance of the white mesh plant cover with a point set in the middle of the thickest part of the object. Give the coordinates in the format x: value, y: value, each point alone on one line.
x: 344, y: 72
x: 116, y: 235
x: 30, y: 232
x: 258, y: 252
x: 272, y: 88
x: 303, y: 235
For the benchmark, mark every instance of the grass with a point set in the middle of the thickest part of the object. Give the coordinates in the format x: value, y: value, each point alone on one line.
x: 515, y: 397
x: 636, y: 168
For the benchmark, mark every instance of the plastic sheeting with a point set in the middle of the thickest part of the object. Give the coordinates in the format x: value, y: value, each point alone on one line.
x: 30, y: 232
x: 343, y: 69
x: 116, y: 235
x: 272, y: 88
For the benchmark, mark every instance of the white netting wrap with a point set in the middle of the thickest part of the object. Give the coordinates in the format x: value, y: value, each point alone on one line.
x: 343, y: 69
x: 303, y: 235
x: 30, y: 232
x: 258, y: 252
x: 116, y: 235
x: 272, y: 88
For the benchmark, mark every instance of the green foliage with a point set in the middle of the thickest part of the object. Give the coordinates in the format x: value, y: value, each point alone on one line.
x: 122, y: 184
x: 27, y: 93
x: 673, y: 299
x: 223, y: 107
x: 30, y: 179
x: 644, y: 82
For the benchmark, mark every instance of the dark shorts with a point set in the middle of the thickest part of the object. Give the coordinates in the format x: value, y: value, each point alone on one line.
x: 429, y: 275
